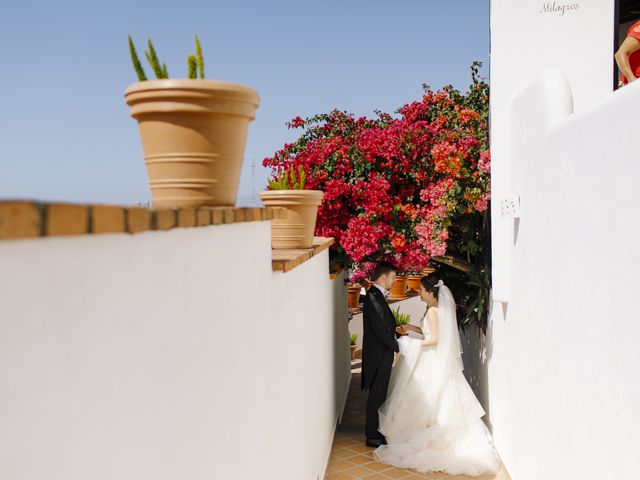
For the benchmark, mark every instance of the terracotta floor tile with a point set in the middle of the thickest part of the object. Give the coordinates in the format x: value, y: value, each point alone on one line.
x: 379, y: 467
x: 398, y: 473
x: 439, y: 476
x: 361, y: 449
x: 361, y: 460
x: 339, y: 476
x: 344, y: 454
x: 342, y: 465
x: 377, y: 476
x: 359, y: 472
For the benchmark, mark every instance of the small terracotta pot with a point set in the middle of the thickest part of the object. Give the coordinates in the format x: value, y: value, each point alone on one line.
x: 413, y: 282
x: 353, y: 296
x: 297, y: 229
x: 428, y: 271
x: 353, y: 351
x: 399, y: 287
x: 193, y: 135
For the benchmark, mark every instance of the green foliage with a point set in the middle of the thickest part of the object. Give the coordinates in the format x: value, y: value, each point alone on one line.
x: 287, y: 180
x: 195, y: 62
x: 199, y: 57
x: 152, y: 57
x: 193, y: 66
x: 401, y: 318
x: 466, y: 268
x: 354, y: 337
x: 136, y: 61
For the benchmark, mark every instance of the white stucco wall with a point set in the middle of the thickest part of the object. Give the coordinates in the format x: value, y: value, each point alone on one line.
x: 166, y: 355
x: 526, y: 39
x: 561, y: 355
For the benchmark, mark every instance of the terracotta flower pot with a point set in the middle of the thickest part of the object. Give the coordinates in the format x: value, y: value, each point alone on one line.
x: 353, y: 296
x: 428, y: 271
x: 353, y: 351
x: 297, y: 229
x: 193, y: 135
x: 413, y: 282
x: 399, y: 287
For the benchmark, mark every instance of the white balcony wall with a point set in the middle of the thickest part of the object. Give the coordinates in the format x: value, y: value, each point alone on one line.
x: 528, y: 37
x: 167, y: 355
x: 560, y: 367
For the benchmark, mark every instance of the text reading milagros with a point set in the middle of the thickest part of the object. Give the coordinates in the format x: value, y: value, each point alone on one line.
x: 558, y: 8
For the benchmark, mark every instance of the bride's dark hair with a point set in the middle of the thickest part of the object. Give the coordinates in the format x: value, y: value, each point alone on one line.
x: 429, y: 283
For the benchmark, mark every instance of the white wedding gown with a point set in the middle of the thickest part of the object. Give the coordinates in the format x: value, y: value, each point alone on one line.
x: 431, y: 418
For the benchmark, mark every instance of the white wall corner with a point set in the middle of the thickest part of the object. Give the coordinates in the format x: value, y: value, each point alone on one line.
x: 536, y: 107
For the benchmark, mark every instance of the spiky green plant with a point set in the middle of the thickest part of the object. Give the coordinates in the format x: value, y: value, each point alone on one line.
x: 281, y: 181
x: 195, y: 62
x: 136, y: 61
x: 401, y: 318
x: 287, y: 180
x: 193, y: 66
x: 354, y: 337
x: 155, y: 63
x: 199, y: 57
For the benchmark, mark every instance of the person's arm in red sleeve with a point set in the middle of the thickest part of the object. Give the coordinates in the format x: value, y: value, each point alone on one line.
x: 631, y: 44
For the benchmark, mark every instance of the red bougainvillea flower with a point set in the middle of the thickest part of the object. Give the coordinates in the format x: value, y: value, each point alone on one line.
x: 484, y: 164
x: 467, y: 115
x: 394, y: 184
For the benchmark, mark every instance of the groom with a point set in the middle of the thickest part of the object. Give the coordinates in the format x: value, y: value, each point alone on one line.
x: 378, y: 344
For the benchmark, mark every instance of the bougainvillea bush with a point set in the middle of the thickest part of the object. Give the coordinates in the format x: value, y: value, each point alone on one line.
x: 408, y: 188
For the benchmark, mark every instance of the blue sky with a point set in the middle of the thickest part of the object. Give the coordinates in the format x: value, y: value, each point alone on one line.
x: 65, y: 130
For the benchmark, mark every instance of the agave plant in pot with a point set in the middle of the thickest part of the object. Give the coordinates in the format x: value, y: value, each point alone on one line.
x: 401, y: 318
x: 353, y: 345
x: 296, y: 228
x: 193, y: 132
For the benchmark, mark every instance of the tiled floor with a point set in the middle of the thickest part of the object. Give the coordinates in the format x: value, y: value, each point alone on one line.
x: 350, y: 459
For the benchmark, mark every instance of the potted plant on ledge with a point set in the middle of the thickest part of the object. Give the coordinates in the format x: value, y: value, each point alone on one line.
x: 193, y: 132
x: 287, y: 190
x: 353, y: 346
x: 399, y: 287
x: 401, y: 318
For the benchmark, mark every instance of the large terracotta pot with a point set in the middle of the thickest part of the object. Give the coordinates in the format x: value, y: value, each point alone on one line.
x: 413, y: 282
x: 296, y: 229
x: 399, y: 287
x: 353, y: 296
x: 193, y: 135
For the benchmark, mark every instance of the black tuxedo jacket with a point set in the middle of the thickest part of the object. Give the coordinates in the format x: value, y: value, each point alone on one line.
x: 379, y: 339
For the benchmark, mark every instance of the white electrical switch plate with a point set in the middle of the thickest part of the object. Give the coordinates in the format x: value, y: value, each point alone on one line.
x: 510, y: 206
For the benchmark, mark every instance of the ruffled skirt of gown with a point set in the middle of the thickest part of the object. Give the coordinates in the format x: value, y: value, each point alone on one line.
x: 432, y: 419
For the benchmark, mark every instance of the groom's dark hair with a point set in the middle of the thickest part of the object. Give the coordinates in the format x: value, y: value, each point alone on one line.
x: 381, y: 269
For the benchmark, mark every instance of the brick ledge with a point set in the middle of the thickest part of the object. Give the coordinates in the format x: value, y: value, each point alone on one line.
x: 30, y: 219
x: 286, y: 260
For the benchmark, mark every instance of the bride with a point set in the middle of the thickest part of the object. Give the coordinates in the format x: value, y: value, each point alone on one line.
x: 431, y: 418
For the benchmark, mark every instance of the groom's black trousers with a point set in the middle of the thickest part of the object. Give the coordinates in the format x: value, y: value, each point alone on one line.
x: 377, y: 395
